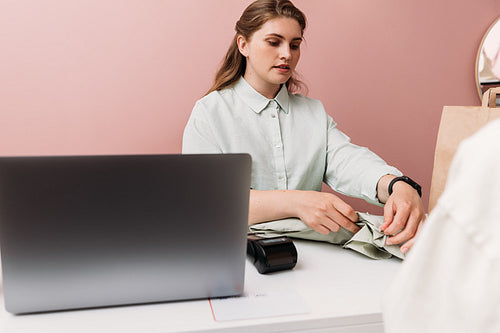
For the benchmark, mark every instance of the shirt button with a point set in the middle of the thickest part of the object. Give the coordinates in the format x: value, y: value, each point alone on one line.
x: 282, y: 178
x: 273, y: 116
x: 278, y: 146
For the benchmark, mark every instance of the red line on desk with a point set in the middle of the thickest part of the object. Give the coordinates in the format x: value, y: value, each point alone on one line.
x: 211, y: 308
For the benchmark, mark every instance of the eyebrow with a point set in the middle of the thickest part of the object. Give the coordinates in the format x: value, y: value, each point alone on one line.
x: 281, y: 37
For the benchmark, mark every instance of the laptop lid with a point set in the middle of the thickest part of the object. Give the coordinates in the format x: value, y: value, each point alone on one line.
x: 91, y: 231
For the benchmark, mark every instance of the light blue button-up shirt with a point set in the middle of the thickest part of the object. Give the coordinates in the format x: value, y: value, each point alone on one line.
x: 293, y: 142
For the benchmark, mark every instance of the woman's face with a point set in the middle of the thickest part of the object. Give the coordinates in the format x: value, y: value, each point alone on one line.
x: 272, y: 53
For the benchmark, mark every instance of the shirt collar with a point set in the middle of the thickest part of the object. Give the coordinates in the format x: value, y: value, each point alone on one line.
x: 256, y: 101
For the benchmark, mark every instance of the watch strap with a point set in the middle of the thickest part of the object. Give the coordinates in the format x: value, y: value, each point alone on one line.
x: 408, y: 181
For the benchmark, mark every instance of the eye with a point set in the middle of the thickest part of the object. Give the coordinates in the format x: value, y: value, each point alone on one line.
x: 295, y: 46
x: 273, y: 42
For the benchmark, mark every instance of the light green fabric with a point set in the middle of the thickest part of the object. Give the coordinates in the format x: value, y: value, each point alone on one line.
x: 369, y: 241
x: 294, y: 143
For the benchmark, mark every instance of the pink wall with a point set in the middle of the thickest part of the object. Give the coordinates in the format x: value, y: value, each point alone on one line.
x: 105, y: 76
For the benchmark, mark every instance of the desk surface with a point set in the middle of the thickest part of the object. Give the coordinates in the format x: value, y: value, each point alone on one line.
x: 342, y: 289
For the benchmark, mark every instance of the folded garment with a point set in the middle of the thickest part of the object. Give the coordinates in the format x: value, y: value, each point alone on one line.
x: 369, y: 241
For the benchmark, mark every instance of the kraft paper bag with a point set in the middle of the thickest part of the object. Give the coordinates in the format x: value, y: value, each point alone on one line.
x: 458, y: 123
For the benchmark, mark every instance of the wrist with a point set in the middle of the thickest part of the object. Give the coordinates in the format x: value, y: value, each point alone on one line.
x: 383, y: 186
x: 404, y: 180
x: 292, y: 202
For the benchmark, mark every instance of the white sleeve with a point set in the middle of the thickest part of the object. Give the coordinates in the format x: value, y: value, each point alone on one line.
x: 449, y: 281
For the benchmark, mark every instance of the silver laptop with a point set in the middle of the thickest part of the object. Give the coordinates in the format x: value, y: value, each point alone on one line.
x: 93, y: 231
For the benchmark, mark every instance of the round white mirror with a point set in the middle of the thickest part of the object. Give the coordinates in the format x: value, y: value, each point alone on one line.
x: 488, y: 60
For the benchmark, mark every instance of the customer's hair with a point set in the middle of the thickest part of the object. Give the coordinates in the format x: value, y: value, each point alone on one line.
x: 252, y: 19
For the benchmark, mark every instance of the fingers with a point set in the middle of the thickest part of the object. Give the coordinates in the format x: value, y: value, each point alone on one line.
x: 341, y: 220
x: 401, y: 220
x: 409, y: 244
x: 346, y: 210
x: 407, y: 233
x: 388, y: 215
x: 331, y: 221
x: 399, y: 214
x: 403, y: 213
x: 321, y: 228
x: 329, y: 213
x: 343, y: 214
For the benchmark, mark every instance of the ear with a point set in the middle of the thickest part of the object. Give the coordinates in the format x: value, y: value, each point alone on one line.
x: 242, y: 45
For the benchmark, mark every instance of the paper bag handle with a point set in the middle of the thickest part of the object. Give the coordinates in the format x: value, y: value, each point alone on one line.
x: 490, y: 97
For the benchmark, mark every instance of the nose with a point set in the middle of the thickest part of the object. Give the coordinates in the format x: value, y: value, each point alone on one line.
x: 285, y: 52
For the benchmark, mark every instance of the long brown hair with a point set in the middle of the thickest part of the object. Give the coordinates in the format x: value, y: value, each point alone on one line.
x: 257, y: 14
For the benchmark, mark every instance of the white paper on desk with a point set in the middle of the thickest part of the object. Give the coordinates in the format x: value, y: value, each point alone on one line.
x: 258, y: 305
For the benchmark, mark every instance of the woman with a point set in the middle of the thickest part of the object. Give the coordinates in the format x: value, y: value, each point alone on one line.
x: 294, y: 143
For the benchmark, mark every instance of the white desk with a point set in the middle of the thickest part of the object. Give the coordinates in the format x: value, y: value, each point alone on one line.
x: 342, y: 289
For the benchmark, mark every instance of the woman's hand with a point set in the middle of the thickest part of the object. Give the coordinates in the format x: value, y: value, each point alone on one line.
x: 325, y: 212
x: 403, y: 215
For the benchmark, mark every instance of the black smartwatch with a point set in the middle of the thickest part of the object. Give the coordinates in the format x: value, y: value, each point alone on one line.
x: 408, y: 181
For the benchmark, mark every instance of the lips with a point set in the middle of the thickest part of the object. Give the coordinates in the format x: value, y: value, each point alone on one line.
x: 283, y: 68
